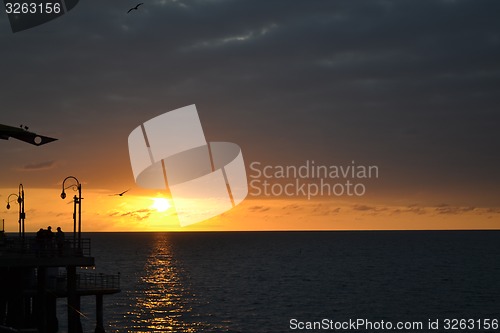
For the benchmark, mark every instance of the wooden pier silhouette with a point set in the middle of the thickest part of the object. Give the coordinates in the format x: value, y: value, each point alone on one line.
x: 34, y: 274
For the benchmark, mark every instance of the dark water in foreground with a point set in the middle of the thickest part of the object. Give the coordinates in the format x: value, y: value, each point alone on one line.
x: 258, y: 281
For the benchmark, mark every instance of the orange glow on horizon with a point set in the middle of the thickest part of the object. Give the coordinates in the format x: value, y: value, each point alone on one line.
x: 135, y: 211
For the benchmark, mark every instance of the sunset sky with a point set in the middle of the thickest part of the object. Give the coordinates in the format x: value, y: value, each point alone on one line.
x: 411, y: 87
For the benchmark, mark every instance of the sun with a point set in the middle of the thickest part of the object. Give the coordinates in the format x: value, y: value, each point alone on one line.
x: 160, y: 204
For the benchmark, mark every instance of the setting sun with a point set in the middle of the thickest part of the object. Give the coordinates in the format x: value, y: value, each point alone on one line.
x: 160, y: 204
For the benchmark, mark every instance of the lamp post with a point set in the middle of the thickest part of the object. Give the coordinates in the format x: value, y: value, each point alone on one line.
x: 76, y: 201
x: 22, y: 214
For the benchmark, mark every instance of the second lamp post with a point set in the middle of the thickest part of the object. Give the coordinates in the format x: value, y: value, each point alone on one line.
x: 77, y: 201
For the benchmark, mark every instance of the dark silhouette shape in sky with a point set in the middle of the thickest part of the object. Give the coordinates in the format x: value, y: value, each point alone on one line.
x: 135, y: 8
x: 34, y: 16
x: 120, y: 194
x: 23, y: 134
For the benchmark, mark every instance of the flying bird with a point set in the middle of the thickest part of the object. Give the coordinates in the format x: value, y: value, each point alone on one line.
x: 135, y: 8
x: 120, y: 194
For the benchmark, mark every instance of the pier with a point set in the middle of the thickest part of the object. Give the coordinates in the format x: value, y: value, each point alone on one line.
x: 34, y: 274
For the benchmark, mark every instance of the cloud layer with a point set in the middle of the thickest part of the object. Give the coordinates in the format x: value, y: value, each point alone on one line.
x: 411, y: 86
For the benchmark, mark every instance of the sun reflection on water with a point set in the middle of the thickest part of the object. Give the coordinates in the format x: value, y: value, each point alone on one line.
x: 164, y: 305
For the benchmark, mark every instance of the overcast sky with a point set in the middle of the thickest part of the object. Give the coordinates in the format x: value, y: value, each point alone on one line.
x: 410, y: 86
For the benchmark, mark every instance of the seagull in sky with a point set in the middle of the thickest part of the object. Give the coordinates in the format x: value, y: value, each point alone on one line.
x: 135, y: 8
x: 120, y: 194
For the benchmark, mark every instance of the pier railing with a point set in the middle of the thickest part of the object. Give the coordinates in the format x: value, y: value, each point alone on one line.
x: 87, y: 282
x: 46, y: 248
x: 92, y: 281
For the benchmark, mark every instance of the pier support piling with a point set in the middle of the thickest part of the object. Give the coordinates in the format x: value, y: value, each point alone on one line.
x: 99, y: 314
x: 41, y: 312
x: 74, y: 324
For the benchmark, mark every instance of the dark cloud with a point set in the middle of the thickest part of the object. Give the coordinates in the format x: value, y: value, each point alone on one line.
x: 364, y: 208
x: 292, y: 207
x: 415, y: 209
x: 372, y: 210
x: 447, y: 209
x: 258, y: 208
x: 138, y: 215
x: 325, y: 210
x: 39, y: 166
x: 409, y: 85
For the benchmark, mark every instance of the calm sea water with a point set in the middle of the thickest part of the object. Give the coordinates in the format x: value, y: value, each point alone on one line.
x: 257, y: 281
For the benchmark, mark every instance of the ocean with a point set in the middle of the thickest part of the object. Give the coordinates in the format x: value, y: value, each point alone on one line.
x: 284, y: 281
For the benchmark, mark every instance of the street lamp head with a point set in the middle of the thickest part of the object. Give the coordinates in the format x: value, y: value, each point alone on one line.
x: 9, y: 201
x: 19, y: 200
x: 75, y: 187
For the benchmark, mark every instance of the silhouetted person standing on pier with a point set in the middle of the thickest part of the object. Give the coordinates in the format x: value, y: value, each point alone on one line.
x: 50, y: 240
x: 40, y: 241
x: 50, y: 234
x: 60, y: 241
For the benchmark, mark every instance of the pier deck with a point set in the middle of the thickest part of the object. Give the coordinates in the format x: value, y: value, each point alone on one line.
x: 31, y: 281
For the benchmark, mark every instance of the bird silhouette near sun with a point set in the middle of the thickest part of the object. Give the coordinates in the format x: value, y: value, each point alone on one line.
x: 120, y: 194
x: 135, y: 8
